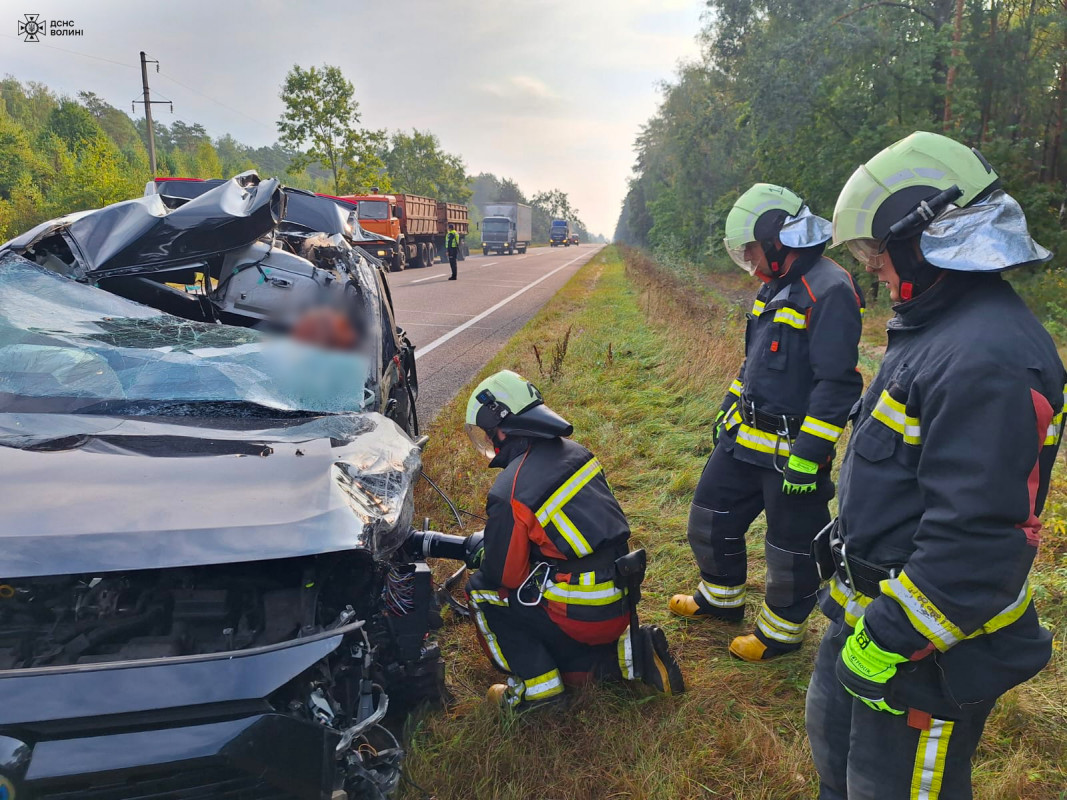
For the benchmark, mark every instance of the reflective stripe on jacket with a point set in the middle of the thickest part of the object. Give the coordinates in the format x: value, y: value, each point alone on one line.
x: 946, y: 473
x: 801, y: 350
x: 552, y: 503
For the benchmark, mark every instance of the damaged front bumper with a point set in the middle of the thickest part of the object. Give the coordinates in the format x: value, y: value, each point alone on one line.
x: 186, y: 727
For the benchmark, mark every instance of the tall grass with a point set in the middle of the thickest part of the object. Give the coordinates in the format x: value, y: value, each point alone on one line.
x: 650, y: 352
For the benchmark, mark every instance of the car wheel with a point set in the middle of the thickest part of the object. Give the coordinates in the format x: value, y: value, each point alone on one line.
x: 485, y: 251
x: 398, y: 262
x: 522, y: 251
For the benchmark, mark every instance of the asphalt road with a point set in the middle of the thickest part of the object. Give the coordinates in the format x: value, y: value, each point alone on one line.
x: 457, y: 326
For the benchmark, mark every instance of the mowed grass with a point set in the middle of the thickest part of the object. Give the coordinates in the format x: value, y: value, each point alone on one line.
x: 649, y: 356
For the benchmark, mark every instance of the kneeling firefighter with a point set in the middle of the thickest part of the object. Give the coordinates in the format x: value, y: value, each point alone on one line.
x: 776, y: 430
x: 947, y: 469
x: 555, y: 594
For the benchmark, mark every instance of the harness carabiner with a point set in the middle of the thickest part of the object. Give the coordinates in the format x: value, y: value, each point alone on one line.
x: 782, y: 433
x: 541, y: 584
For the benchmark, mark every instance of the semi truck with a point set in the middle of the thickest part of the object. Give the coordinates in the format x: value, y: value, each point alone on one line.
x: 418, y: 225
x: 560, y: 233
x: 506, y: 228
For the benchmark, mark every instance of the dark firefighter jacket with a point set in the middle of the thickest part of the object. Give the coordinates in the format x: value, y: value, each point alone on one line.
x: 945, y: 475
x: 801, y: 349
x: 552, y: 504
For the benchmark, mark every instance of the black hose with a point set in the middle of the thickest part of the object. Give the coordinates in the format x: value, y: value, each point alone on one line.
x: 456, y: 511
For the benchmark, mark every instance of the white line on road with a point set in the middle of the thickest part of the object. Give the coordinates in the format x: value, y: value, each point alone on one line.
x: 440, y: 340
x: 441, y: 275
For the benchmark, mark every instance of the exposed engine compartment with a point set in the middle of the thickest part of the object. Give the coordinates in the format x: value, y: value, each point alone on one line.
x: 385, y: 663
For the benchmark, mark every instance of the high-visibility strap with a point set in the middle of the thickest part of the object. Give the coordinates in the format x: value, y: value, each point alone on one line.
x: 489, y: 637
x: 929, y: 771
x: 723, y: 596
x: 597, y: 594
x: 626, y: 656
x: 552, y: 509
x: 485, y: 596
x: 757, y: 308
x: 824, y: 430
x: 892, y: 413
x: 780, y: 630
x: 853, y: 603
x: 736, y: 387
x: 932, y: 623
x: 547, y: 685
x: 761, y: 441
x: 925, y: 617
x: 1055, y: 428
x: 791, y: 317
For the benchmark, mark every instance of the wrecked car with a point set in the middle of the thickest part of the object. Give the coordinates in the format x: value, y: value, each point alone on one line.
x: 204, y: 591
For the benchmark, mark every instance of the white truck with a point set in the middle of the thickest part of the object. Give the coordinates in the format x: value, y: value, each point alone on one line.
x: 506, y: 228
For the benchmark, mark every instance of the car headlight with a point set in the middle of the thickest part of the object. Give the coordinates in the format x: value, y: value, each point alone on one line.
x: 383, y: 252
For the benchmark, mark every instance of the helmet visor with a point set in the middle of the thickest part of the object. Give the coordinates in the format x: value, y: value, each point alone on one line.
x: 869, y: 252
x: 737, y: 255
x: 481, y: 441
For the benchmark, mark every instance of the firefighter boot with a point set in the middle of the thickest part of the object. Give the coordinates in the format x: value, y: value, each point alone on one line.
x: 659, y: 668
x: 753, y: 648
x: 693, y: 606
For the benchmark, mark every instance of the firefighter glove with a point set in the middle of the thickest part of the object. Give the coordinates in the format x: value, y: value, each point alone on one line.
x: 716, y: 428
x: 474, y: 550
x: 865, y: 669
x: 799, y: 475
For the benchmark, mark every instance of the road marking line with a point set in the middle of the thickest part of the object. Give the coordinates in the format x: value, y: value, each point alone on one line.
x: 441, y: 275
x: 474, y: 320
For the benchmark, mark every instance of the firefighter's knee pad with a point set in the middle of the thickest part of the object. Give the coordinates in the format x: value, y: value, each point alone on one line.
x: 791, y: 577
x: 717, y: 540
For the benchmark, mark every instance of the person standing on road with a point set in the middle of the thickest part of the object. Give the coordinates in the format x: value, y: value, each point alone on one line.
x: 452, y: 247
x: 946, y: 472
x: 547, y: 599
x: 776, y: 430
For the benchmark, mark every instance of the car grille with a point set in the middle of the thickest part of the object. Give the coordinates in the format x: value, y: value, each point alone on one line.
x: 216, y: 783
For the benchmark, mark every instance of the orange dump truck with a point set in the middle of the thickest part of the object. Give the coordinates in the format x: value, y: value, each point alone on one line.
x: 417, y: 224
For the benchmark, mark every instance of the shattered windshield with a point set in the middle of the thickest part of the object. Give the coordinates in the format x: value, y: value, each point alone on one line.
x: 67, y: 346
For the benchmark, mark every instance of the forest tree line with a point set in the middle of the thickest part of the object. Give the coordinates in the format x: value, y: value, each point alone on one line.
x: 801, y: 92
x: 63, y: 154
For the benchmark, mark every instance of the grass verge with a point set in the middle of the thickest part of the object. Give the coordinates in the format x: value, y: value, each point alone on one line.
x: 649, y: 355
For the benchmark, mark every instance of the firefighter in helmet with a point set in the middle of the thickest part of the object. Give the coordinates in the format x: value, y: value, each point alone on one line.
x: 547, y: 599
x: 776, y: 430
x: 945, y: 475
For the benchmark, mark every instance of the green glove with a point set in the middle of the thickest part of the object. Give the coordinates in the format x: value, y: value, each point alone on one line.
x: 799, y: 475
x: 716, y: 428
x: 864, y: 669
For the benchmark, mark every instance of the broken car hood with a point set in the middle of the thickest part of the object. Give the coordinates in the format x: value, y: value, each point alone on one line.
x: 90, y: 494
x: 143, y: 233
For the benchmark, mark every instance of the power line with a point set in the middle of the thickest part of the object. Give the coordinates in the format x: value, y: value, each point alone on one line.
x: 216, y: 102
x: 76, y: 53
x: 161, y: 74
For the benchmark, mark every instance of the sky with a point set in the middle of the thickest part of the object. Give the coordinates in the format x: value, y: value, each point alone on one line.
x: 550, y: 93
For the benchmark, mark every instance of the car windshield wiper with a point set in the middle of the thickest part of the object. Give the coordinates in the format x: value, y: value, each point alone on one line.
x: 195, y: 408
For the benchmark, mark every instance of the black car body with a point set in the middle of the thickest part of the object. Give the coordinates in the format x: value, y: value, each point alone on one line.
x: 204, y: 591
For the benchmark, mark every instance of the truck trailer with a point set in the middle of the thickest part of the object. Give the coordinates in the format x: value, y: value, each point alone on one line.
x: 417, y: 223
x: 506, y: 228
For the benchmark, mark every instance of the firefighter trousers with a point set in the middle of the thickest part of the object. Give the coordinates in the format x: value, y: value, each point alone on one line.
x: 524, y: 642
x: 729, y: 496
x: 863, y: 754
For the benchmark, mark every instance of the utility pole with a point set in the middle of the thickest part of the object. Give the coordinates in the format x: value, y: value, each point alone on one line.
x: 148, y: 113
x: 148, y: 101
